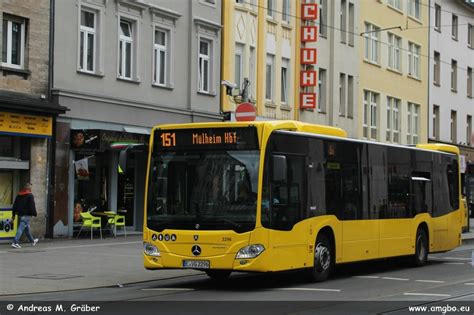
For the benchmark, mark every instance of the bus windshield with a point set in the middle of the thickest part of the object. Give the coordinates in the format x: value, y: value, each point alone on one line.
x: 203, y: 190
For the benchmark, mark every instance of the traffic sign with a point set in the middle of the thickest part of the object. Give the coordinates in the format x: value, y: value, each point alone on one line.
x: 245, y: 112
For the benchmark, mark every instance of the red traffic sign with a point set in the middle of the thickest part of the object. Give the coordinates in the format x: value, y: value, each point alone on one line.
x: 245, y: 112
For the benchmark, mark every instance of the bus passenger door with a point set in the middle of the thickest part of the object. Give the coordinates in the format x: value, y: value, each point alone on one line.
x: 289, y: 233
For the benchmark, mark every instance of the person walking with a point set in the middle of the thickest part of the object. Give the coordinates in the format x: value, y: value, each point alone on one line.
x: 24, y: 207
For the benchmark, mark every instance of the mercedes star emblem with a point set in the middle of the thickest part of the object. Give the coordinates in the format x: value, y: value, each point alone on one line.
x: 196, y: 250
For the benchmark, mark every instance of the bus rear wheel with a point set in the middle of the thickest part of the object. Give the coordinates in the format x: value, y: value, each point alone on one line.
x: 421, y: 248
x: 218, y: 274
x: 323, y: 259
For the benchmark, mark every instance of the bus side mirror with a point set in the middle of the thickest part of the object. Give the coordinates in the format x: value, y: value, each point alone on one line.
x: 279, y: 168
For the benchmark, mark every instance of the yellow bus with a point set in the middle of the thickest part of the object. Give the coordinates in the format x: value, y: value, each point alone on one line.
x: 270, y: 196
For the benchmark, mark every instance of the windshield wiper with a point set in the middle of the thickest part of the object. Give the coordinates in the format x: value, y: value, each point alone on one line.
x: 234, y: 224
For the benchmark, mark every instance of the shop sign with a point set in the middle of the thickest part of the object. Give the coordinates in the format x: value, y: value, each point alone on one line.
x: 7, y: 226
x: 26, y: 124
x: 308, y: 56
x: 97, y: 140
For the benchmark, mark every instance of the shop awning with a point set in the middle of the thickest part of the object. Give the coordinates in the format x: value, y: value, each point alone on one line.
x: 24, y: 103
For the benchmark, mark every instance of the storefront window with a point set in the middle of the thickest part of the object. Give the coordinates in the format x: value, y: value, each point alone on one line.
x: 6, y: 146
x: 6, y: 189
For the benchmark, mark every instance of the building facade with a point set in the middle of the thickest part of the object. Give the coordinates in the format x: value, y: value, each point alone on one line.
x: 451, y: 102
x: 393, y: 87
x: 337, y: 65
x: 259, y: 43
x: 122, y: 67
x: 27, y: 114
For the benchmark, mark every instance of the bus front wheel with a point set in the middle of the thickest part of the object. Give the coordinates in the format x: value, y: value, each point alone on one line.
x: 421, y: 248
x: 323, y: 259
x: 218, y: 274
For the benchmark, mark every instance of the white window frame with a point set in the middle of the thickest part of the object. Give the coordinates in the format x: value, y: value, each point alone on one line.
x: 437, y: 17
x: 10, y: 21
x: 436, y: 121
x: 240, y: 54
x: 454, y: 123
x: 270, y: 8
x: 454, y: 75
x: 370, y: 117
x: 342, y: 94
x: 394, y: 52
x: 470, y: 35
x: 371, y: 43
x: 323, y: 16
x: 157, y: 50
x: 413, y: 123
x: 202, y: 59
x: 286, y: 11
x: 393, y: 119
x: 414, y: 60
x: 285, y: 82
x: 397, y: 4
x: 85, y: 43
x: 269, y: 88
x: 454, y: 27
x: 414, y: 9
x: 123, y: 41
x: 437, y: 68
x: 468, y: 129
x: 322, y: 90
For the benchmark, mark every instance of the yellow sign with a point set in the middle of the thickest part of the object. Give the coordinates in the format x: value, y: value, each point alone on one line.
x: 7, y: 226
x: 26, y: 124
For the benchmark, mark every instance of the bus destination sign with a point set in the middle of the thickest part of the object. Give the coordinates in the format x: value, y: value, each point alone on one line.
x: 206, y: 139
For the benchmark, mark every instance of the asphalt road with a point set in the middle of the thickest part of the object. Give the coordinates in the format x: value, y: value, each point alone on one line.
x: 386, y: 286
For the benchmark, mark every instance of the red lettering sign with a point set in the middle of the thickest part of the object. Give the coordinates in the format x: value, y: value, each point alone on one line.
x: 308, y: 78
x: 308, y: 56
x: 307, y: 100
x: 309, y: 34
x: 309, y: 11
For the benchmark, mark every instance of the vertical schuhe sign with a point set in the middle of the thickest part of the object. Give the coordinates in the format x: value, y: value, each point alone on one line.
x: 308, y: 56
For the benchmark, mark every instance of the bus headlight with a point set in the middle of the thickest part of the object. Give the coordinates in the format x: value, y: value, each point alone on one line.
x: 250, y: 251
x: 151, y: 250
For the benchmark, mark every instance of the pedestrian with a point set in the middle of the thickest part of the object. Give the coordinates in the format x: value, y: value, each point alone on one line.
x: 24, y: 207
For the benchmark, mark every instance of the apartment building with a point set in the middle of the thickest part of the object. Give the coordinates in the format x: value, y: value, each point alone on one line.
x: 122, y: 67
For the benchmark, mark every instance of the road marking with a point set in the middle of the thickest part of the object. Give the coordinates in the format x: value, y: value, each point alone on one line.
x: 427, y: 294
x: 452, y: 263
x: 73, y: 246
x: 456, y: 258
x: 398, y: 279
x: 307, y: 289
x: 367, y: 277
x: 468, y: 283
x: 430, y: 281
x: 168, y: 289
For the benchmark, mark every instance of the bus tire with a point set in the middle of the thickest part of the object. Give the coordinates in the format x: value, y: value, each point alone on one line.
x: 218, y: 274
x: 421, y: 248
x: 323, y: 259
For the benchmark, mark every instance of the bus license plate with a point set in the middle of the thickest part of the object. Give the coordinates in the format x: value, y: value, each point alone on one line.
x: 197, y: 264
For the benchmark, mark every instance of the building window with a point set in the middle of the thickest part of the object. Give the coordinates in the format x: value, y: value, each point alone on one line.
x: 205, y: 48
x: 270, y: 8
x: 13, y: 45
x: 343, y: 19
x: 286, y: 11
x: 437, y: 69
x: 393, y: 119
x: 87, y: 41
x: 350, y: 96
x: 394, y: 56
x: 454, y: 75
x: 397, y: 4
x: 470, y: 35
x: 371, y: 100
x: 469, y: 81
x: 413, y: 123
x: 322, y: 90
x: 453, y: 126
x: 342, y: 94
x: 323, y: 17
x: 253, y: 72
x: 161, y: 47
x: 454, y: 27
x: 371, y: 47
x: 437, y: 17
x: 468, y: 129
x: 269, y: 78
x: 414, y: 9
x: 285, y: 76
x: 351, y: 24
x: 239, y: 67
x: 436, y: 119
x: 126, y: 49
x: 414, y: 60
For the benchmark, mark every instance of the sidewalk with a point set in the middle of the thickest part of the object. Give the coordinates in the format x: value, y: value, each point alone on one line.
x: 56, y: 265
